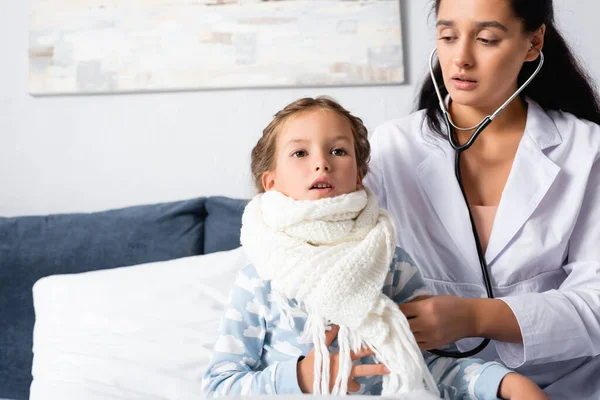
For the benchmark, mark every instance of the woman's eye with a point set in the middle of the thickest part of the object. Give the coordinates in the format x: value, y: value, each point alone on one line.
x: 487, y: 41
x: 447, y: 38
x: 339, y: 152
x: 299, y: 153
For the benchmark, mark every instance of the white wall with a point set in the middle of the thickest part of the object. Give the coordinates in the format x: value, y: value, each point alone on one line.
x: 86, y: 153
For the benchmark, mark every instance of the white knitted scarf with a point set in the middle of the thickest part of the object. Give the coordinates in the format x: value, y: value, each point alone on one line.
x: 332, y: 256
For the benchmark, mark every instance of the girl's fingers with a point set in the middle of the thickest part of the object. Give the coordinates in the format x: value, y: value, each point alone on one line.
x: 353, y: 386
x: 364, y: 352
x: 331, y: 334
x: 369, y: 370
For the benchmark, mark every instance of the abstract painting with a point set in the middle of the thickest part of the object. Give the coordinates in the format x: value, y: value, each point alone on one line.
x: 120, y: 46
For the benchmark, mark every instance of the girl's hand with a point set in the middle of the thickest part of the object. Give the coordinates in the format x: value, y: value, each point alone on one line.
x: 437, y: 321
x: 518, y: 387
x: 306, y: 367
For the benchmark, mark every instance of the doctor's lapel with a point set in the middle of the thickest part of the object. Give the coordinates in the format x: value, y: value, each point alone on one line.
x: 436, y: 176
x: 531, y: 176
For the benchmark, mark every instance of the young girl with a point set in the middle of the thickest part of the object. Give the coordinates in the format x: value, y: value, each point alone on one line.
x: 316, y: 311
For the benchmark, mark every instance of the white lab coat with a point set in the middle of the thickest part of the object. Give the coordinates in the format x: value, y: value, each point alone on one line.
x: 544, y: 250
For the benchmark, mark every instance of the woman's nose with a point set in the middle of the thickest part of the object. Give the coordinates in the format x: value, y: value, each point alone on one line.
x: 463, y: 58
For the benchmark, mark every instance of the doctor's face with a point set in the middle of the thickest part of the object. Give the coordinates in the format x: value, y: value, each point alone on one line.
x: 481, y: 47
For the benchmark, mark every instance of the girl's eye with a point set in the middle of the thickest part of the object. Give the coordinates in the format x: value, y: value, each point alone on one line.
x: 299, y: 153
x: 339, y: 152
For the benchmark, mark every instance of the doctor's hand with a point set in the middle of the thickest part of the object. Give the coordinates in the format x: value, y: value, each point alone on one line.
x: 437, y: 321
x: 306, y: 367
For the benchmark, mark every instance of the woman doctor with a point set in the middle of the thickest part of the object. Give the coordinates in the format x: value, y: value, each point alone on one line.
x: 532, y: 186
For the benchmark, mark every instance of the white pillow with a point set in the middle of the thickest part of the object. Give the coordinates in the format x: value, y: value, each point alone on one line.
x: 139, y: 332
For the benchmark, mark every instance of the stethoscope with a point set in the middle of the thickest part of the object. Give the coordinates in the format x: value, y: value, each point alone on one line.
x: 459, y: 149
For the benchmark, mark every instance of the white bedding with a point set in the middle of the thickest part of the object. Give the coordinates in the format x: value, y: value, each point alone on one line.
x: 139, y: 332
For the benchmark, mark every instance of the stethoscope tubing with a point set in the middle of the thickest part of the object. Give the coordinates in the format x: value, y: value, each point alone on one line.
x: 485, y: 121
x: 459, y: 149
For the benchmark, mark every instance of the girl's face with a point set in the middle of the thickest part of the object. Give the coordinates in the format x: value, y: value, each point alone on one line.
x: 315, y: 157
x: 482, y: 47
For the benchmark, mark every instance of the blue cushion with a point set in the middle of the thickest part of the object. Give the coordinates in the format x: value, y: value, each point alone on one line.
x: 223, y: 223
x: 34, y: 247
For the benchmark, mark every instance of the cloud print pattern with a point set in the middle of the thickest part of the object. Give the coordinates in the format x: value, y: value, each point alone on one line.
x: 257, y: 352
